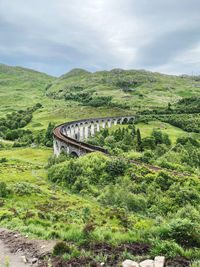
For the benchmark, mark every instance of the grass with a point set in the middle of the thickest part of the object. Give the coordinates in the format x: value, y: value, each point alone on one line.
x: 53, y: 212
x: 47, y: 218
x: 21, y: 88
x: 145, y: 89
x: 172, y: 131
x: 28, y: 155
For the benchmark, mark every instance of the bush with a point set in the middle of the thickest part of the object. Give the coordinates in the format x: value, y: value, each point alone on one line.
x: 24, y: 188
x: 166, y: 248
x: 2, y: 160
x: 136, y: 203
x: 183, y: 231
x: 189, y: 212
x: 5, y: 214
x: 164, y: 180
x: 4, y: 191
x: 116, y: 167
x: 60, y: 248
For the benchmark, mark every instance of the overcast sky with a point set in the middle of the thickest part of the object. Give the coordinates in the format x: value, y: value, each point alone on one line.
x: 54, y: 36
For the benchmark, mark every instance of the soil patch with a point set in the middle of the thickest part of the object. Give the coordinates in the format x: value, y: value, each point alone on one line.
x: 32, y: 250
x: 17, y: 247
x: 177, y: 262
x: 112, y: 255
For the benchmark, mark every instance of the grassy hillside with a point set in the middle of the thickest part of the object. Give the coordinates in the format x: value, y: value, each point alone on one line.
x: 106, y: 209
x: 133, y: 88
x: 21, y: 87
x: 102, y: 93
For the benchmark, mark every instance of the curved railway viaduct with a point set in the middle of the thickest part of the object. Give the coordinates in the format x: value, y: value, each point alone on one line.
x: 70, y: 135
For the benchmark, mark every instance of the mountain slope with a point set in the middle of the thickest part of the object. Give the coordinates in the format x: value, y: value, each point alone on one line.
x: 133, y: 88
x: 21, y: 87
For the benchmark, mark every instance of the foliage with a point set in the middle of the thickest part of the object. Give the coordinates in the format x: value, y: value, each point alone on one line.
x: 24, y: 188
x: 60, y: 248
x: 4, y: 191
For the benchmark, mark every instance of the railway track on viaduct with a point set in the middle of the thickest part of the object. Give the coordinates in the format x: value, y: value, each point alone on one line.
x: 70, y: 136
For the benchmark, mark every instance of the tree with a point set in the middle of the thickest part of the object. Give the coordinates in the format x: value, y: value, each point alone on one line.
x: 139, y: 140
x: 48, y: 139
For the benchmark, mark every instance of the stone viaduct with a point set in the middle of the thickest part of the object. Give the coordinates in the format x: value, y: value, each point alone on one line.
x: 69, y: 136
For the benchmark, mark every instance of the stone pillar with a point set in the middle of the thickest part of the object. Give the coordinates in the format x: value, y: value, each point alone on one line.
x: 86, y: 130
x: 89, y: 130
x: 122, y: 119
x: 56, y: 147
x: 103, y: 124
x: 109, y: 123
x: 77, y: 132
x: 92, y: 128
x: 81, y: 132
x: 98, y: 126
x: 72, y: 135
x: 115, y: 122
x: 68, y: 132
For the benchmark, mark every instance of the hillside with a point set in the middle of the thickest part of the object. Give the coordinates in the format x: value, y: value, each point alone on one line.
x: 129, y: 89
x: 102, y: 93
x: 104, y: 208
x: 21, y: 87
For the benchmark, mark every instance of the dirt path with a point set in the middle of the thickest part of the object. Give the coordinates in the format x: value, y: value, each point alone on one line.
x: 21, y: 251
x: 14, y: 259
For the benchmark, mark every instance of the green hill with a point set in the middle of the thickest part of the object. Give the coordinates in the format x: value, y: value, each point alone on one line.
x: 105, y: 208
x: 132, y: 89
x: 100, y: 93
x: 21, y: 87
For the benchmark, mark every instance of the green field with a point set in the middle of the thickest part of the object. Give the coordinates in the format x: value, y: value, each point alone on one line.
x: 172, y: 131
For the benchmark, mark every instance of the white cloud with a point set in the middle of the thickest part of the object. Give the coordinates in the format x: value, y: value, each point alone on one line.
x: 100, y: 34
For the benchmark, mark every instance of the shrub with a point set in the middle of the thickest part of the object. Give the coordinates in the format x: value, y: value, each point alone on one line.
x: 2, y: 160
x: 116, y: 167
x: 136, y: 202
x: 88, y: 228
x: 5, y: 214
x: 166, y: 248
x: 61, y: 248
x: 183, y: 231
x: 24, y: 188
x: 4, y: 191
x: 189, y: 212
x: 164, y: 180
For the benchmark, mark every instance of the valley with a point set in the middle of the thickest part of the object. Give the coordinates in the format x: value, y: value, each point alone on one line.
x: 105, y: 209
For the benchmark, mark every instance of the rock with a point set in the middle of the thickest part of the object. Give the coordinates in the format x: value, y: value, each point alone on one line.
x: 129, y: 263
x: 16, y: 235
x: 23, y: 258
x: 102, y: 263
x: 159, y: 261
x: 34, y: 260
x: 43, y: 247
x: 147, y: 263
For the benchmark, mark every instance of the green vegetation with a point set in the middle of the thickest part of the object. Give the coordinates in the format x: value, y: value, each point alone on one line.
x: 97, y: 199
x: 136, y: 89
x: 153, y: 145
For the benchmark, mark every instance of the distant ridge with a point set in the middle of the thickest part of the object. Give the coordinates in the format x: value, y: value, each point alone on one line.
x: 74, y: 72
x: 7, y: 68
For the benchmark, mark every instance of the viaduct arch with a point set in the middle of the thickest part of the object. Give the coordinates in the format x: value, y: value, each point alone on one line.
x: 69, y: 136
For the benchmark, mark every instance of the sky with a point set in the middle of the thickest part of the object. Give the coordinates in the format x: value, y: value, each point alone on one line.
x: 54, y: 36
